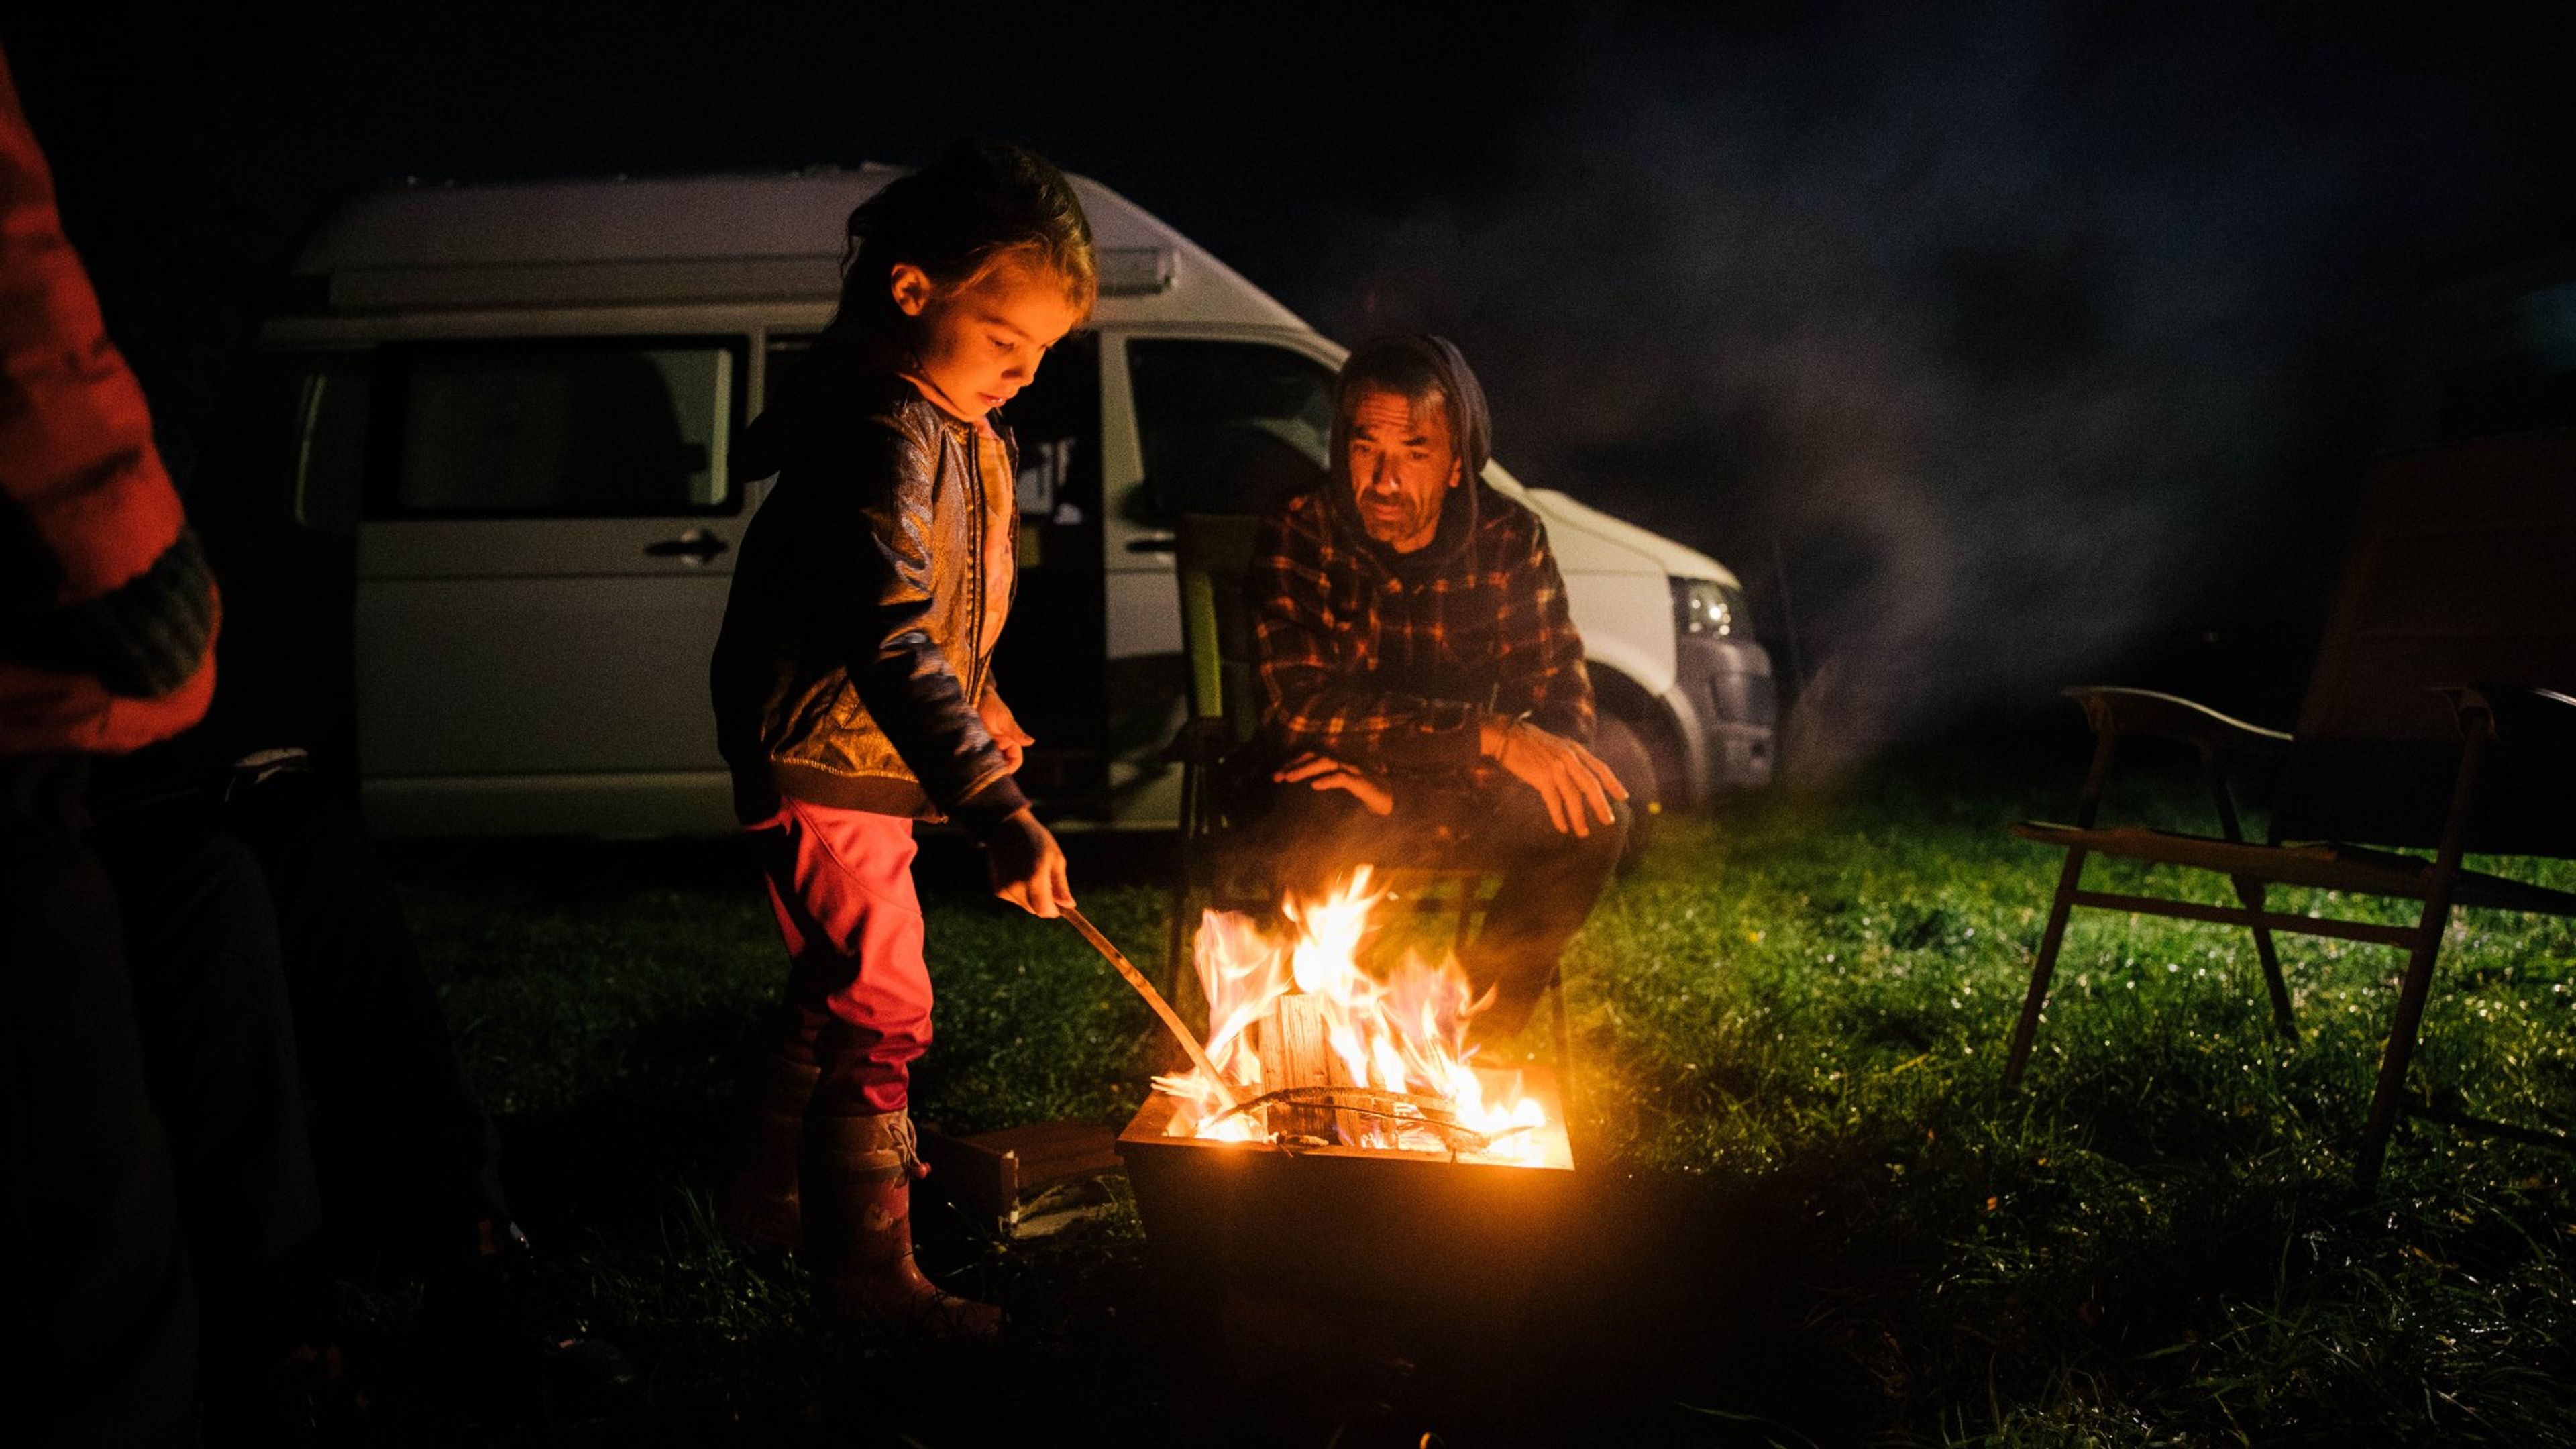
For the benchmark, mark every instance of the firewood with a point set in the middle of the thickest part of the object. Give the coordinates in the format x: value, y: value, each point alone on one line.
x: 1294, y: 1054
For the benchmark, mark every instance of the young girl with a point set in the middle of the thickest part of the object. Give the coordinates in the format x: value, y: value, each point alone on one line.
x: 854, y: 690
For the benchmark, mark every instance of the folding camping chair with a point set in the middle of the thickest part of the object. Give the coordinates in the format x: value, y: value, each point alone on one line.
x: 2438, y: 716
x: 1216, y: 872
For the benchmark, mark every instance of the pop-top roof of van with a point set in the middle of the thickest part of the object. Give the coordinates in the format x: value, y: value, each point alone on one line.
x: 704, y: 239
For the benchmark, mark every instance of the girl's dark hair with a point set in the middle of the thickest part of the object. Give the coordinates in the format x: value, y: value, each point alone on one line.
x: 981, y: 203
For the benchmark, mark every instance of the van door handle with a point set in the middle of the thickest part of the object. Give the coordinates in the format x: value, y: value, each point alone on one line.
x: 697, y: 546
x: 1155, y: 543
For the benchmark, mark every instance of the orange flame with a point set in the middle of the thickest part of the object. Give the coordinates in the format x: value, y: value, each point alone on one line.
x: 1407, y: 1033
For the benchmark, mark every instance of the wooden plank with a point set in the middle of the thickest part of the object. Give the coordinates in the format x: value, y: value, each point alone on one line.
x: 1048, y: 1152
x: 2232, y: 916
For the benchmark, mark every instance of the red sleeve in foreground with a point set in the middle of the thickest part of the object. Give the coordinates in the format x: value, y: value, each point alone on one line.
x: 111, y: 615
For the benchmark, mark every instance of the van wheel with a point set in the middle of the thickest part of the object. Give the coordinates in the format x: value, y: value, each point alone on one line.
x: 1617, y: 743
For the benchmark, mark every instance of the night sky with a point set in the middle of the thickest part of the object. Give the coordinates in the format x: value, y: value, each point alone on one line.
x: 2032, y: 339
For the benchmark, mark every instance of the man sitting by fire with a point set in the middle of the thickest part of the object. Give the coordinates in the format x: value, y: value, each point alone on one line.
x: 1421, y: 679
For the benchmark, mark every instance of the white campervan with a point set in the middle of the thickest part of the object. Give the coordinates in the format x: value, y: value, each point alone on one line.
x: 520, y: 398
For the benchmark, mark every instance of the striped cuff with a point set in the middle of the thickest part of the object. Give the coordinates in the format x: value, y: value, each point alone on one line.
x: 142, y: 640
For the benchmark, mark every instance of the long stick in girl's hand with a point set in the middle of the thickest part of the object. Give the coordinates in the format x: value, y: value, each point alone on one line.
x: 1154, y: 999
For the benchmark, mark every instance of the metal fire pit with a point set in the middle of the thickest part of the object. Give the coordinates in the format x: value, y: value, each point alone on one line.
x: 1347, y: 1223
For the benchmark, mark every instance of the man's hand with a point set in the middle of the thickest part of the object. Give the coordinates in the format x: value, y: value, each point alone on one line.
x: 1028, y: 866
x: 1577, y: 787
x: 1323, y: 772
x: 1004, y: 727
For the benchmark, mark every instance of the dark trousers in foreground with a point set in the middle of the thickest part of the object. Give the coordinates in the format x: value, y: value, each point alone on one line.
x: 219, y: 1061
x: 96, y: 1279
x: 291, y: 1031
x: 408, y: 1158
x: 1550, y: 878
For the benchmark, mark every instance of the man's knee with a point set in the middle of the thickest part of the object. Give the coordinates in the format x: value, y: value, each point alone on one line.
x: 1527, y: 832
x: 1610, y: 841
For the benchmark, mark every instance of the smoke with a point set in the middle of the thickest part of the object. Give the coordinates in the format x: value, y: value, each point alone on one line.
x: 2024, y: 335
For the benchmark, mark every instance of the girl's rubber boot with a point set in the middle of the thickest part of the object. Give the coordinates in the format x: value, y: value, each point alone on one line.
x: 758, y: 1204
x: 857, y: 1181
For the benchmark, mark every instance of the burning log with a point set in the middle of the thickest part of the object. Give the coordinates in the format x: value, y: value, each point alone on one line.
x: 1293, y: 1053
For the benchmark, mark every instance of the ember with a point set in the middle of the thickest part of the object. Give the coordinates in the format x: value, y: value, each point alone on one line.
x: 1319, y: 1051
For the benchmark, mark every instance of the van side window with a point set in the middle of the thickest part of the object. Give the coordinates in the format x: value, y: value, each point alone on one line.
x: 588, y: 428
x: 1228, y: 427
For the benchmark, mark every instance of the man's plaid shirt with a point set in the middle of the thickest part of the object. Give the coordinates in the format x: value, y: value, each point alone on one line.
x: 1389, y: 675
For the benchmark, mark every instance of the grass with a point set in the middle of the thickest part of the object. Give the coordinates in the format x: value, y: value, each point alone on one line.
x: 1817, y: 1215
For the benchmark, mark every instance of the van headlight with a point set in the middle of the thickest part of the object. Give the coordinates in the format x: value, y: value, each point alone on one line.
x: 1705, y: 606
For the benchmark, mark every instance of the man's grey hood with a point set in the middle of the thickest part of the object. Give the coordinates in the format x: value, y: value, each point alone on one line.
x: 1471, y: 428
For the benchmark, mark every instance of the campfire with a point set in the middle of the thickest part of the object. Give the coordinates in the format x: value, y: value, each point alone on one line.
x: 1315, y: 1052
x: 1335, y: 1115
